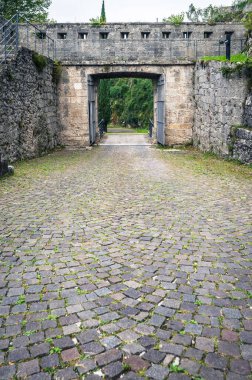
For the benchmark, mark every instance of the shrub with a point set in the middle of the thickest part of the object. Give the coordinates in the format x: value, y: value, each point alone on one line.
x: 57, y: 71
x: 39, y: 60
x: 175, y: 19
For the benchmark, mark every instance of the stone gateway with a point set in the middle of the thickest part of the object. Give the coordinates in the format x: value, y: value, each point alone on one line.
x: 192, y: 102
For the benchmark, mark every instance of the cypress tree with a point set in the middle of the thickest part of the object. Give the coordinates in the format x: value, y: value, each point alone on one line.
x: 103, y: 13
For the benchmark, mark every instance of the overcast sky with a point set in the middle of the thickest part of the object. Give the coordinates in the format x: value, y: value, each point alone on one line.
x: 123, y: 10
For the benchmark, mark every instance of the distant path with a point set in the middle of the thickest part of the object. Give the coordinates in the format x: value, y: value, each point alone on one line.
x: 125, y: 139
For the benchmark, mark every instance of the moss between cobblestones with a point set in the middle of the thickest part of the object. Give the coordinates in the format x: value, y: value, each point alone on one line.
x: 46, y: 166
x: 194, y: 264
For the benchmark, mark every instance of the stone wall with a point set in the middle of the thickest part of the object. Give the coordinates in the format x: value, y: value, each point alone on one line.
x: 222, y: 108
x: 28, y: 108
x: 149, y: 43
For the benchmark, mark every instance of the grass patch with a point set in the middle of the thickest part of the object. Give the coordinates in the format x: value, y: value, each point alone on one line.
x: 174, y: 368
x: 198, y: 303
x: 128, y: 129
x: 141, y: 130
x: 192, y: 160
x: 21, y: 300
x: 28, y: 171
x: 55, y: 350
x: 237, y: 58
x: 29, y: 332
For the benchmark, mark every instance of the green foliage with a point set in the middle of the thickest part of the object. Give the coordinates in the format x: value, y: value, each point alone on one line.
x: 242, y: 57
x: 52, y: 317
x: 247, y: 21
x: 32, y: 10
x: 213, y: 14
x: 240, y: 63
x: 126, y: 101
x: 193, y: 322
x: 193, y: 14
x: 55, y: 350
x: 174, y: 368
x: 50, y: 370
x: 103, y: 13
x: 104, y: 104
x: 97, y: 21
x: 49, y: 340
x: 40, y: 61
x: 21, y: 300
x: 175, y: 19
x: 81, y: 291
x: 198, y: 303
x: 29, y: 332
x: 239, y: 68
x: 57, y: 71
x: 142, y: 130
x: 126, y: 367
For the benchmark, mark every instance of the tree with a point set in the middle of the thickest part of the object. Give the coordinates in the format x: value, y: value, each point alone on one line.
x: 126, y: 101
x: 98, y: 21
x: 213, y: 14
x: 32, y: 10
x: 103, y: 100
x: 103, y: 13
x: 194, y: 14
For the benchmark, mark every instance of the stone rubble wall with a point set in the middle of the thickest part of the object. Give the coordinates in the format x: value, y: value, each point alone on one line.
x: 28, y: 109
x: 155, y: 49
x: 223, y: 112
x: 242, y: 145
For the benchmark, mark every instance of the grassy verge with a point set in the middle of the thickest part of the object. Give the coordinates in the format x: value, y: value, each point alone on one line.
x: 237, y: 58
x: 208, y: 163
x: 27, y: 170
x: 142, y: 130
x: 133, y: 130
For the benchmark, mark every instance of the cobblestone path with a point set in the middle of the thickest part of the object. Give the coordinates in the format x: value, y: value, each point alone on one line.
x: 126, y: 265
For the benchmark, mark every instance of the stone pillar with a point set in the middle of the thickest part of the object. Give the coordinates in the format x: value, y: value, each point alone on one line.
x: 179, y: 104
x: 73, y: 107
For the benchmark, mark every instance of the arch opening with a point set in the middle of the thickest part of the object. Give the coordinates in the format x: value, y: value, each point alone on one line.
x: 173, y: 98
x: 127, y: 99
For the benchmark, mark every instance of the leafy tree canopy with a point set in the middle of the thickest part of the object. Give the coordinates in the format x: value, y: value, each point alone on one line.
x: 126, y: 101
x: 213, y: 14
x: 32, y: 10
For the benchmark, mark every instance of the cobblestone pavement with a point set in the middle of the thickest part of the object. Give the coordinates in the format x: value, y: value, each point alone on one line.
x: 126, y: 265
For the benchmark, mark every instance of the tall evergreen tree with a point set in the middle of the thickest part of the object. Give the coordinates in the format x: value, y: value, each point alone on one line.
x: 103, y: 13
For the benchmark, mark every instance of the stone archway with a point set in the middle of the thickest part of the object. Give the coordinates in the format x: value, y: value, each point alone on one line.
x: 173, y: 101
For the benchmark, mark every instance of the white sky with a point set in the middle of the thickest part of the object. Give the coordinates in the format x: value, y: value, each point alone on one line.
x: 123, y: 10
